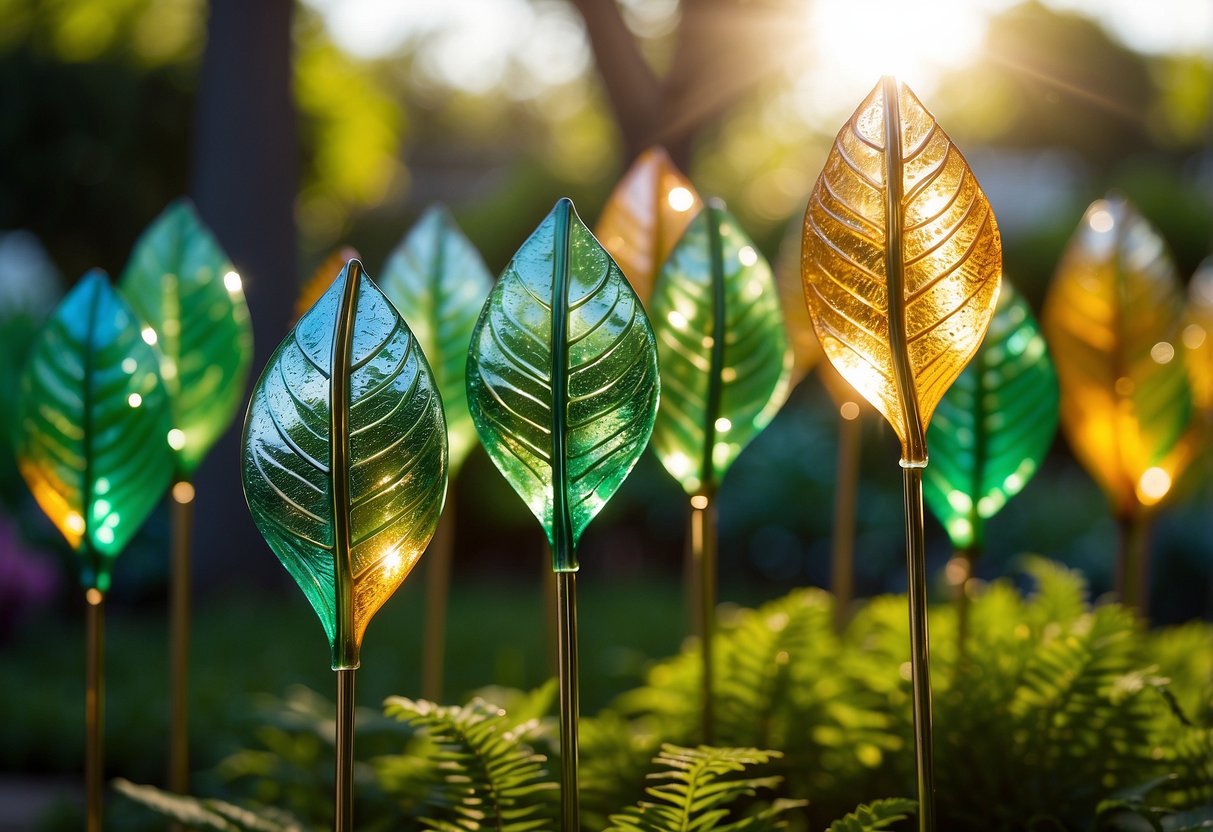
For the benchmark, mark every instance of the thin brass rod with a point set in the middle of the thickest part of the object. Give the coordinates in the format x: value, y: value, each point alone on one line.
x: 94, y: 707
x: 920, y: 657
x: 181, y: 504
x: 960, y: 576
x: 842, y: 556
x: 703, y: 549
x: 1132, y: 565
x: 344, y: 800
x: 437, y: 596
x: 551, y: 611
x: 566, y: 603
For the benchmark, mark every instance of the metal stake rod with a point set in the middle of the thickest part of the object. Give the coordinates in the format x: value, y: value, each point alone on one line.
x: 182, y: 517
x: 94, y: 706
x: 344, y: 803
x: 566, y: 603
x: 703, y: 554
x: 437, y: 595
x: 842, y: 560
x: 920, y: 658
x: 1132, y: 573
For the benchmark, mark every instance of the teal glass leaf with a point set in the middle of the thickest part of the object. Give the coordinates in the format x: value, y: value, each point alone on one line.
x: 92, y: 426
x: 346, y: 494
x: 182, y: 284
x: 438, y: 282
x: 562, y: 378
x: 994, y: 426
x: 725, y: 357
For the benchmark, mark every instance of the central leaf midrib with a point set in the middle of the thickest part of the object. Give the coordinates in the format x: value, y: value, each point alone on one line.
x: 562, y: 526
x: 86, y: 427
x: 716, y: 358
x: 345, y: 650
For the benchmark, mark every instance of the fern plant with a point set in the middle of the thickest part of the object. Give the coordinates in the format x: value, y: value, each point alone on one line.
x: 880, y: 814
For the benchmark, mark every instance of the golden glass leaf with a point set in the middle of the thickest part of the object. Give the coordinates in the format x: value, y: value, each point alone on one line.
x: 901, y: 260
x: 315, y: 286
x: 645, y: 216
x: 1113, y: 316
x: 1197, y: 338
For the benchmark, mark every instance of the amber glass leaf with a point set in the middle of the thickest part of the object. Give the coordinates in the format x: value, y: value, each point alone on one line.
x: 1198, y: 337
x: 93, y: 423
x: 344, y: 456
x: 994, y: 426
x: 183, y: 286
x: 644, y: 217
x: 322, y: 278
x: 562, y: 378
x: 901, y: 260
x: 438, y: 282
x: 723, y: 350
x: 1113, y: 317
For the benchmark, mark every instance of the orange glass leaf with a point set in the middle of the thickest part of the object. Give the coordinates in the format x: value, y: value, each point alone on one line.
x: 645, y: 216
x: 901, y: 260
x: 1113, y: 318
x: 1198, y: 338
x: 315, y: 286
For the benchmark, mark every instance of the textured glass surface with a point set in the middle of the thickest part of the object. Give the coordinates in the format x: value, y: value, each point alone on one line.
x: 644, y: 217
x: 347, y: 495
x: 562, y: 378
x: 1198, y: 337
x: 1114, y: 320
x: 993, y: 426
x: 901, y: 260
x: 321, y: 279
x: 438, y: 282
x: 93, y: 424
x: 724, y: 354
x: 181, y: 283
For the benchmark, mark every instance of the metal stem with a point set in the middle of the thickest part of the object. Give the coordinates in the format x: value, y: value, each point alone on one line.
x: 344, y: 800
x: 960, y: 575
x: 842, y: 560
x: 94, y: 707
x: 437, y: 595
x: 920, y: 656
x: 182, y: 511
x: 703, y: 552
x: 566, y: 603
x: 1132, y: 572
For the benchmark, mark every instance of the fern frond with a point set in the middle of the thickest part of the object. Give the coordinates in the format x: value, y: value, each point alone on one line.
x: 208, y: 813
x: 484, y: 774
x: 697, y: 791
x: 879, y: 814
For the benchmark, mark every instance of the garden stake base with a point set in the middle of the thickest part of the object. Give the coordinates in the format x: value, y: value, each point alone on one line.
x: 703, y: 555
x: 920, y: 658
x: 94, y: 707
x: 566, y: 603
x: 344, y: 799
x: 182, y: 512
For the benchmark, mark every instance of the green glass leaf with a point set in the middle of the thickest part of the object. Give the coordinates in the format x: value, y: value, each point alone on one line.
x: 438, y: 282
x: 562, y: 378
x: 93, y: 423
x: 183, y: 285
x: 347, y: 496
x: 994, y: 425
x: 725, y: 357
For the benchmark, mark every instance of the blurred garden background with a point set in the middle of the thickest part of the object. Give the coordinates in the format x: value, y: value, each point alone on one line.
x: 300, y: 127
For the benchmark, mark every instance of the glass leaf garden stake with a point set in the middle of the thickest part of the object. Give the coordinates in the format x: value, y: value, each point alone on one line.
x: 1113, y: 317
x: 438, y: 282
x: 344, y: 464
x: 902, y: 262
x: 92, y: 443
x: 644, y: 217
x: 725, y: 363
x: 990, y: 433
x: 183, y: 287
x: 563, y: 388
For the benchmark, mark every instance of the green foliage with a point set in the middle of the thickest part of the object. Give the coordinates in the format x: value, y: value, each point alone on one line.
x: 697, y: 791
x: 880, y: 814
x: 208, y: 813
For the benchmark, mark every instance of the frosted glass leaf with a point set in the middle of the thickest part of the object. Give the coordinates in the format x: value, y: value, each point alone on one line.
x: 901, y: 260
x: 1197, y: 337
x: 438, y: 282
x: 322, y: 278
x: 1113, y: 317
x: 344, y: 456
x: 645, y: 216
x: 994, y: 426
x: 724, y: 354
x: 92, y: 425
x: 562, y: 378
x: 183, y: 286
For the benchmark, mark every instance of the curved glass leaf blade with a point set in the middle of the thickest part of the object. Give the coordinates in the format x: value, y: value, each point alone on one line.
x: 562, y: 378
x: 994, y: 426
x: 644, y: 217
x: 321, y: 279
x: 901, y: 260
x: 181, y: 283
x: 93, y: 424
x: 438, y: 282
x: 724, y: 353
x: 347, y: 497
x: 1198, y: 337
x: 1113, y: 317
